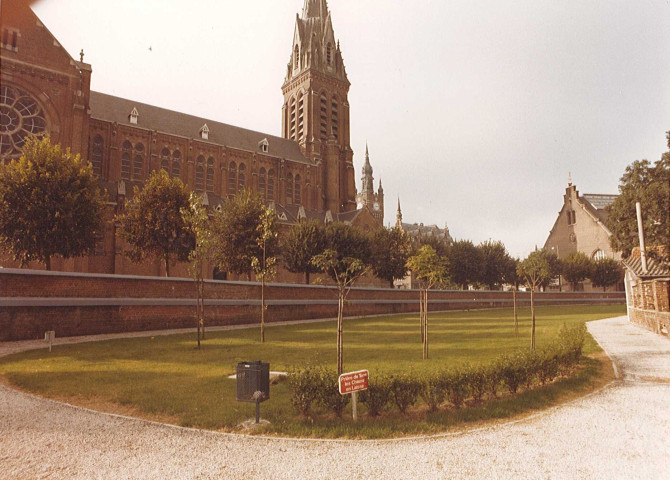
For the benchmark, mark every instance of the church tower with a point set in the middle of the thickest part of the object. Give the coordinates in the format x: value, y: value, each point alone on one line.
x: 367, y: 197
x: 316, y: 107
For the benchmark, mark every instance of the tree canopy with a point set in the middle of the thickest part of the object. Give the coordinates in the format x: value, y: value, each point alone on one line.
x: 152, y: 222
x: 466, y: 263
x: 576, y: 267
x: 650, y: 185
x: 237, y: 229
x: 303, y: 241
x: 606, y: 272
x: 390, y: 250
x: 346, y: 243
x: 497, y: 264
x: 50, y: 204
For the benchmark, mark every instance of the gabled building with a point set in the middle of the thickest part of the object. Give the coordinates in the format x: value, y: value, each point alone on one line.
x: 580, y: 227
x: 308, y: 172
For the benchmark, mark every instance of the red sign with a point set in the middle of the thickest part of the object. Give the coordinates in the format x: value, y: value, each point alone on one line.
x: 353, y: 382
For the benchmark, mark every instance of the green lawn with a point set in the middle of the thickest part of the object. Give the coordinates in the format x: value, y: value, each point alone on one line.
x: 168, y: 378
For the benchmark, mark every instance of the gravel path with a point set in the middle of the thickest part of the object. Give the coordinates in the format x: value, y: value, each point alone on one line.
x: 621, y: 432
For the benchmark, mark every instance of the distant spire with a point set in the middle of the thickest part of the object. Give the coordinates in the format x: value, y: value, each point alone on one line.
x: 315, y: 8
x: 398, y: 215
x: 569, y: 179
x: 81, y: 56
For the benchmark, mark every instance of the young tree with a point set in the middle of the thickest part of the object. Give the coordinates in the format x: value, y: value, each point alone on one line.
x: 390, y: 250
x: 345, y: 261
x: 466, y: 263
x: 576, y: 267
x: 496, y: 263
x: 430, y: 270
x: 534, y: 271
x: 511, y: 277
x: 50, y: 204
x: 555, y: 266
x: 197, y: 219
x: 303, y: 241
x: 606, y: 272
x: 152, y: 222
x: 650, y: 185
x: 236, y: 232
x: 264, y: 265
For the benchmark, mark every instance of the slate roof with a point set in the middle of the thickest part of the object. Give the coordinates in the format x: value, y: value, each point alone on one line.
x: 115, y: 109
x: 596, y: 203
x: 654, y: 267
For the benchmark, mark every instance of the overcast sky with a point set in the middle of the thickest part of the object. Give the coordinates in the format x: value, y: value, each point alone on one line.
x: 474, y: 111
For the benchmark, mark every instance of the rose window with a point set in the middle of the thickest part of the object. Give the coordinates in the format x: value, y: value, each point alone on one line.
x: 20, y: 116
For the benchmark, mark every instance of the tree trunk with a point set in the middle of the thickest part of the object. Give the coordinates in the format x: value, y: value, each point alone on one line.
x: 340, y: 307
x: 263, y: 309
x: 421, y: 315
x: 516, y: 316
x: 307, y: 278
x: 532, y: 315
x: 202, y: 306
x: 391, y: 283
x: 47, y: 262
x: 425, y: 325
x: 166, y: 259
x: 197, y: 309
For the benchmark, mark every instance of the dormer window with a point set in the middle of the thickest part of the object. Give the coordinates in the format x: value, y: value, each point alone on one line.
x: 204, y: 132
x: 264, y: 145
x: 133, y: 116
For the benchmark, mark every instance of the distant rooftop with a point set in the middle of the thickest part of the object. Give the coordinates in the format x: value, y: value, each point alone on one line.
x: 599, y: 201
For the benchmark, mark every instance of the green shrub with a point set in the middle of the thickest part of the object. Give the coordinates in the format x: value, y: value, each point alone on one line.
x: 432, y: 391
x: 304, y: 384
x: 455, y: 384
x: 513, y: 371
x: 531, y: 362
x: 478, y: 382
x: 378, y: 394
x: 328, y: 393
x: 549, y: 366
x: 493, y: 376
x: 570, y: 345
x: 405, y: 390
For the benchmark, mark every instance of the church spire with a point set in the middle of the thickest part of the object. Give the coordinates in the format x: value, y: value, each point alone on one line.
x: 315, y: 8
x: 398, y: 215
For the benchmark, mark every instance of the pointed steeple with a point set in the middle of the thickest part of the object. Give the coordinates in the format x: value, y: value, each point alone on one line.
x: 398, y: 215
x: 367, y: 179
x: 315, y: 9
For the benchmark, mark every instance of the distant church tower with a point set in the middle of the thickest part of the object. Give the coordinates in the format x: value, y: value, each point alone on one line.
x: 367, y: 196
x: 316, y: 106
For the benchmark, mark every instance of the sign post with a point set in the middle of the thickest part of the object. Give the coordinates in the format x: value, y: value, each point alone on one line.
x: 49, y: 337
x: 353, y: 382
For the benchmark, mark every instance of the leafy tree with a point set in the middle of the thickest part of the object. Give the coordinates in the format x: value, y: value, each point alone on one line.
x: 555, y: 266
x: 606, y: 272
x: 303, y: 241
x: 345, y: 261
x: 50, y: 204
x: 390, y: 250
x: 466, y: 263
x: 534, y: 271
x: 439, y: 244
x: 236, y: 232
x: 152, y: 223
x: 265, y: 266
x: 576, y: 267
x: 650, y: 185
x: 511, y: 277
x: 197, y: 219
x: 430, y: 270
x: 497, y: 263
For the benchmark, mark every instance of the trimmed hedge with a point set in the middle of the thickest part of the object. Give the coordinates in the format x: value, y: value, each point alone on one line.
x: 455, y: 385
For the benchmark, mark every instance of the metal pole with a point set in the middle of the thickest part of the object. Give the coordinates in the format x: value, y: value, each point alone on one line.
x: 354, y: 409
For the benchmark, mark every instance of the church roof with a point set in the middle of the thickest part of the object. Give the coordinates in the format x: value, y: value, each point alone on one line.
x: 115, y: 109
x: 597, y: 202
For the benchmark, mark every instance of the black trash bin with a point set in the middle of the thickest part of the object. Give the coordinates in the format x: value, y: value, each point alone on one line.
x: 253, y: 381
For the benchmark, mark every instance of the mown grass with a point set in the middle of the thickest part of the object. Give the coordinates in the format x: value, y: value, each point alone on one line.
x: 167, y: 378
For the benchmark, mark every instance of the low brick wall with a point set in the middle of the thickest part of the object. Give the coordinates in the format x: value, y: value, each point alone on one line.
x: 657, y: 322
x: 32, y: 302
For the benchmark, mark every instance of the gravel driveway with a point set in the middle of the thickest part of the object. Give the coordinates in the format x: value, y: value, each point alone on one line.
x: 621, y: 432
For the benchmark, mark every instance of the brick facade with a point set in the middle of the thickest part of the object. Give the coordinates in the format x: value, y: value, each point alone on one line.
x: 81, y: 304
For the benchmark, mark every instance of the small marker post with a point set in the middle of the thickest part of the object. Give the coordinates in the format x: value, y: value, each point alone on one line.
x: 354, y: 409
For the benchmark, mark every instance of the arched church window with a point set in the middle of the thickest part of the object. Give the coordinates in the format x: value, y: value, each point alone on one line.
x: 126, y: 152
x: 271, y: 185
x: 241, y: 177
x: 598, y: 255
x: 232, y: 179
x: 329, y: 53
x: 96, y: 154
x: 323, y: 105
x: 165, y: 160
x: 301, y: 101
x: 292, y: 124
x: 138, y: 162
x: 296, y: 190
x: 20, y: 116
x: 200, y: 174
x: 210, y: 174
x: 289, y: 189
x: 176, y: 163
x: 262, y: 184
x: 334, y: 118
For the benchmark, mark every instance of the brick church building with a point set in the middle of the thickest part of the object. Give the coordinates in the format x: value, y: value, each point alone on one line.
x: 306, y: 173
